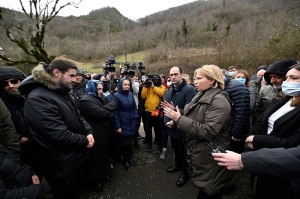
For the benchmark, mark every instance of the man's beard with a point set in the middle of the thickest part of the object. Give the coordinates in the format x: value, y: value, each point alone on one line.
x: 65, y: 85
x: 277, y: 87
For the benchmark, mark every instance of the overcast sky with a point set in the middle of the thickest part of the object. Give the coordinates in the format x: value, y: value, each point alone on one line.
x: 132, y: 9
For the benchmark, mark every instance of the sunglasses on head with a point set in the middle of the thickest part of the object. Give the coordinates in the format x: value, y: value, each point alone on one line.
x: 13, y: 81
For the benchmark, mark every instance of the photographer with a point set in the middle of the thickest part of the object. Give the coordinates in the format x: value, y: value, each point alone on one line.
x: 152, y: 92
x: 109, y: 82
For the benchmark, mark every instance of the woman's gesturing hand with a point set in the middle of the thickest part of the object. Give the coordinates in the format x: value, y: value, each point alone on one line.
x: 166, y: 104
x: 173, y: 115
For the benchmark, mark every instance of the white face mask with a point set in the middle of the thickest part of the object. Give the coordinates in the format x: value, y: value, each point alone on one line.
x: 291, y: 88
x: 169, y: 84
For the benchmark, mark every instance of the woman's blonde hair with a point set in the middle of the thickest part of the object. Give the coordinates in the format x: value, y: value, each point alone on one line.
x: 212, y: 72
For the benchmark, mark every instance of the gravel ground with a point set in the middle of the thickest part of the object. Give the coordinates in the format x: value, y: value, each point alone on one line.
x: 149, y: 179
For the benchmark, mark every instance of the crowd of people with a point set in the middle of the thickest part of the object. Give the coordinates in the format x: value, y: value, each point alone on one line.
x: 68, y: 127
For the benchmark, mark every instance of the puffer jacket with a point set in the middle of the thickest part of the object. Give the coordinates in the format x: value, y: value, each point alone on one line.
x: 55, y: 124
x: 126, y: 114
x: 240, y: 110
x: 208, y: 116
x: 16, y: 178
x: 152, y: 97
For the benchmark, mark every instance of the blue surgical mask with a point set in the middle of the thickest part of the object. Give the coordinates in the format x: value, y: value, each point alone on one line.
x: 231, y: 73
x: 291, y: 88
x: 242, y: 80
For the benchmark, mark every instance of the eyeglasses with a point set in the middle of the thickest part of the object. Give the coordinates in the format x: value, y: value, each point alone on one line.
x: 13, y: 81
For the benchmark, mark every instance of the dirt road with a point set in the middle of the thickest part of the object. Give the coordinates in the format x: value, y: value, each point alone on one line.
x: 149, y: 179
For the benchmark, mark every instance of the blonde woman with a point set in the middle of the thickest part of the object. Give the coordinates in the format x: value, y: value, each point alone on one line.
x: 205, y: 117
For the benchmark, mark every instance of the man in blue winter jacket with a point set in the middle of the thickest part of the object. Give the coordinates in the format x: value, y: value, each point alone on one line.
x: 179, y: 95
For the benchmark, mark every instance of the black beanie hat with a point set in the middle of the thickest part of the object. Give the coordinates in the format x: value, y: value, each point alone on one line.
x: 262, y: 67
x: 279, y: 67
x: 8, y: 72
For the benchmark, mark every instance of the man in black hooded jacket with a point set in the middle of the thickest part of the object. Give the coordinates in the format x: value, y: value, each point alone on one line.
x: 60, y: 133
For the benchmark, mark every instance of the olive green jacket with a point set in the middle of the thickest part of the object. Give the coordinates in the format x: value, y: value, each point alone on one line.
x: 8, y: 135
x: 207, y: 115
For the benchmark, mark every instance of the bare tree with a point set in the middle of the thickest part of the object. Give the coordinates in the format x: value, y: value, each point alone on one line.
x: 106, y: 23
x: 125, y: 33
x: 30, y: 34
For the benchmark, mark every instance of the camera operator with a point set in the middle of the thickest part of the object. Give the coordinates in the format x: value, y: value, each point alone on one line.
x: 109, y: 83
x: 110, y: 73
x: 152, y: 92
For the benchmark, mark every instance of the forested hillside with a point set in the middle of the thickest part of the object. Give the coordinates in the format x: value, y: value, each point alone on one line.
x: 247, y: 33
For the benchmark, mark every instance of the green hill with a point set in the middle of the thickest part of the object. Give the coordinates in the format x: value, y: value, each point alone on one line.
x: 247, y: 33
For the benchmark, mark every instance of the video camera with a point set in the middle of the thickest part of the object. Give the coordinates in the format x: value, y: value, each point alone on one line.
x: 141, y: 65
x: 129, y: 69
x: 133, y: 66
x: 109, y: 62
x: 152, y: 78
x: 110, y: 85
x: 127, y: 66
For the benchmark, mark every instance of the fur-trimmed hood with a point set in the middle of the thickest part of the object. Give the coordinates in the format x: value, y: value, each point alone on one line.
x: 38, y: 77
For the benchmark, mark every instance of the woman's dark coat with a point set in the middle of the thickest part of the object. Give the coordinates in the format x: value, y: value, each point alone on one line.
x: 286, y: 134
x: 126, y: 114
x: 286, y: 129
x: 98, y: 112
